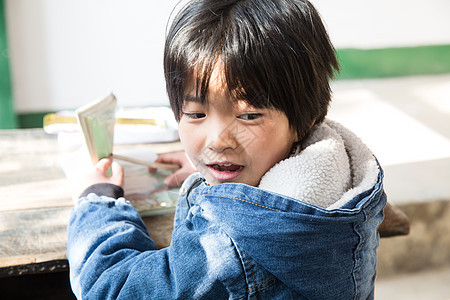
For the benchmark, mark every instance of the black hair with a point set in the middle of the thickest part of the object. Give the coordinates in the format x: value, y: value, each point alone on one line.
x: 275, y: 54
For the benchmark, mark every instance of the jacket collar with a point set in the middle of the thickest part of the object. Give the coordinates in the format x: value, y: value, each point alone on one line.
x: 333, y: 167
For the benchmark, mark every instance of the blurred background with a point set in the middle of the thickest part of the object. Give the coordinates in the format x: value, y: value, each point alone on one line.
x: 393, y: 91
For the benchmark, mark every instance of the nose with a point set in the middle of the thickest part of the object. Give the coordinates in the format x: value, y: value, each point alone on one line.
x: 223, y: 137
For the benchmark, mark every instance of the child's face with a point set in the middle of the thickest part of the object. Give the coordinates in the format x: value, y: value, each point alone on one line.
x: 229, y: 142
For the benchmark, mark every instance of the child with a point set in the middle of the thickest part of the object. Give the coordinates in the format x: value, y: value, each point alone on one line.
x: 286, y: 203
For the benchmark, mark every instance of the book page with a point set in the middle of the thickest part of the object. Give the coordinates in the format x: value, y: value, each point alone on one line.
x: 97, y: 121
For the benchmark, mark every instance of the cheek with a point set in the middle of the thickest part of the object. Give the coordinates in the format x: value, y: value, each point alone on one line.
x: 190, y: 138
x: 273, y: 145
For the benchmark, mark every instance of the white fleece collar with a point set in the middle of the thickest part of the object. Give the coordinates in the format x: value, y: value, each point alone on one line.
x: 333, y: 167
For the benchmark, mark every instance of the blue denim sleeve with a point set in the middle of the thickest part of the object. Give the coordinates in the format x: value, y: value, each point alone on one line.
x: 104, y: 235
x: 111, y: 256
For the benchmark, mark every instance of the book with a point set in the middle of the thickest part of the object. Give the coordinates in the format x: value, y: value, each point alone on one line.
x: 145, y: 191
x: 97, y: 120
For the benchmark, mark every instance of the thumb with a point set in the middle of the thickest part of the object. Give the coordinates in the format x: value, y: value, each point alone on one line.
x: 103, y: 164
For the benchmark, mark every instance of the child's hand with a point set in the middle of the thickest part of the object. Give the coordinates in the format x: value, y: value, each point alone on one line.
x: 179, y: 158
x: 98, y: 174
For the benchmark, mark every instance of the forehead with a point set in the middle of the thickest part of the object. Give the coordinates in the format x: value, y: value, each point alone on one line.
x: 217, y: 79
x: 209, y: 79
x: 204, y: 87
x: 200, y: 75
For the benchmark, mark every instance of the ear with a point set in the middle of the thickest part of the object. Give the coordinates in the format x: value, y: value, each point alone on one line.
x: 298, y: 139
x: 295, y: 149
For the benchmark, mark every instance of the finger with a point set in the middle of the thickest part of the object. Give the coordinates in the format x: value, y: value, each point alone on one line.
x: 103, y: 164
x: 161, y: 158
x: 170, y: 180
x: 117, y: 173
x: 117, y: 169
x: 173, y: 157
x: 167, y: 158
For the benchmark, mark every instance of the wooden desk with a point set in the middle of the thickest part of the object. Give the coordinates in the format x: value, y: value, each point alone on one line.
x: 35, y: 204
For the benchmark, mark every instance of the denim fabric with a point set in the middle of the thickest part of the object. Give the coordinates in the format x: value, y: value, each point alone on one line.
x: 231, y: 241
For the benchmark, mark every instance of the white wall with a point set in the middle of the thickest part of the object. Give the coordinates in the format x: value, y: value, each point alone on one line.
x: 65, y: 53
x: 386, y: 23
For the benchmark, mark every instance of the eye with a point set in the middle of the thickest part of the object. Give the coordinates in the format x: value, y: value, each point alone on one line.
x: 250, y: 117
x: 195, y: 115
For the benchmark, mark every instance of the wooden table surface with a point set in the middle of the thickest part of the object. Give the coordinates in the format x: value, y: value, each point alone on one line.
x: 35, y: 204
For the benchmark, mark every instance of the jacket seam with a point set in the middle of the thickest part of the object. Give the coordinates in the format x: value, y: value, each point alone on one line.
x: 358, y: 291
x: 243, y: 200
x: 253, y: 274
x: 264, y: 283
x: 193, y: 185
x: 255, y: 285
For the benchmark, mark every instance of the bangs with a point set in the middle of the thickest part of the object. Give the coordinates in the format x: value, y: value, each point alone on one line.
x: 236, y: 75
x: 239, y: 83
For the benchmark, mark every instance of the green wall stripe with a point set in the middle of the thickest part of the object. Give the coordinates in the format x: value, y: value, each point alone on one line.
x: 7, y: 115
x: 31, y: 120
x: 394, y: 62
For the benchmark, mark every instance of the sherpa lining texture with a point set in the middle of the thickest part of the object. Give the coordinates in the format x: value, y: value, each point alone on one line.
x: 333, y: 167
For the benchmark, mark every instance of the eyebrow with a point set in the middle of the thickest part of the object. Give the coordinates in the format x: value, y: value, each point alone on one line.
x: 191, y: 98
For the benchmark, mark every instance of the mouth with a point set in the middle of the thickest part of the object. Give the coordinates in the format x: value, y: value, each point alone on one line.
x: 226, y: 167
x: 225, y: 171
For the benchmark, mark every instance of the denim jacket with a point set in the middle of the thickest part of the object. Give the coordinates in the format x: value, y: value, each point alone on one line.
x: 230, y: 241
